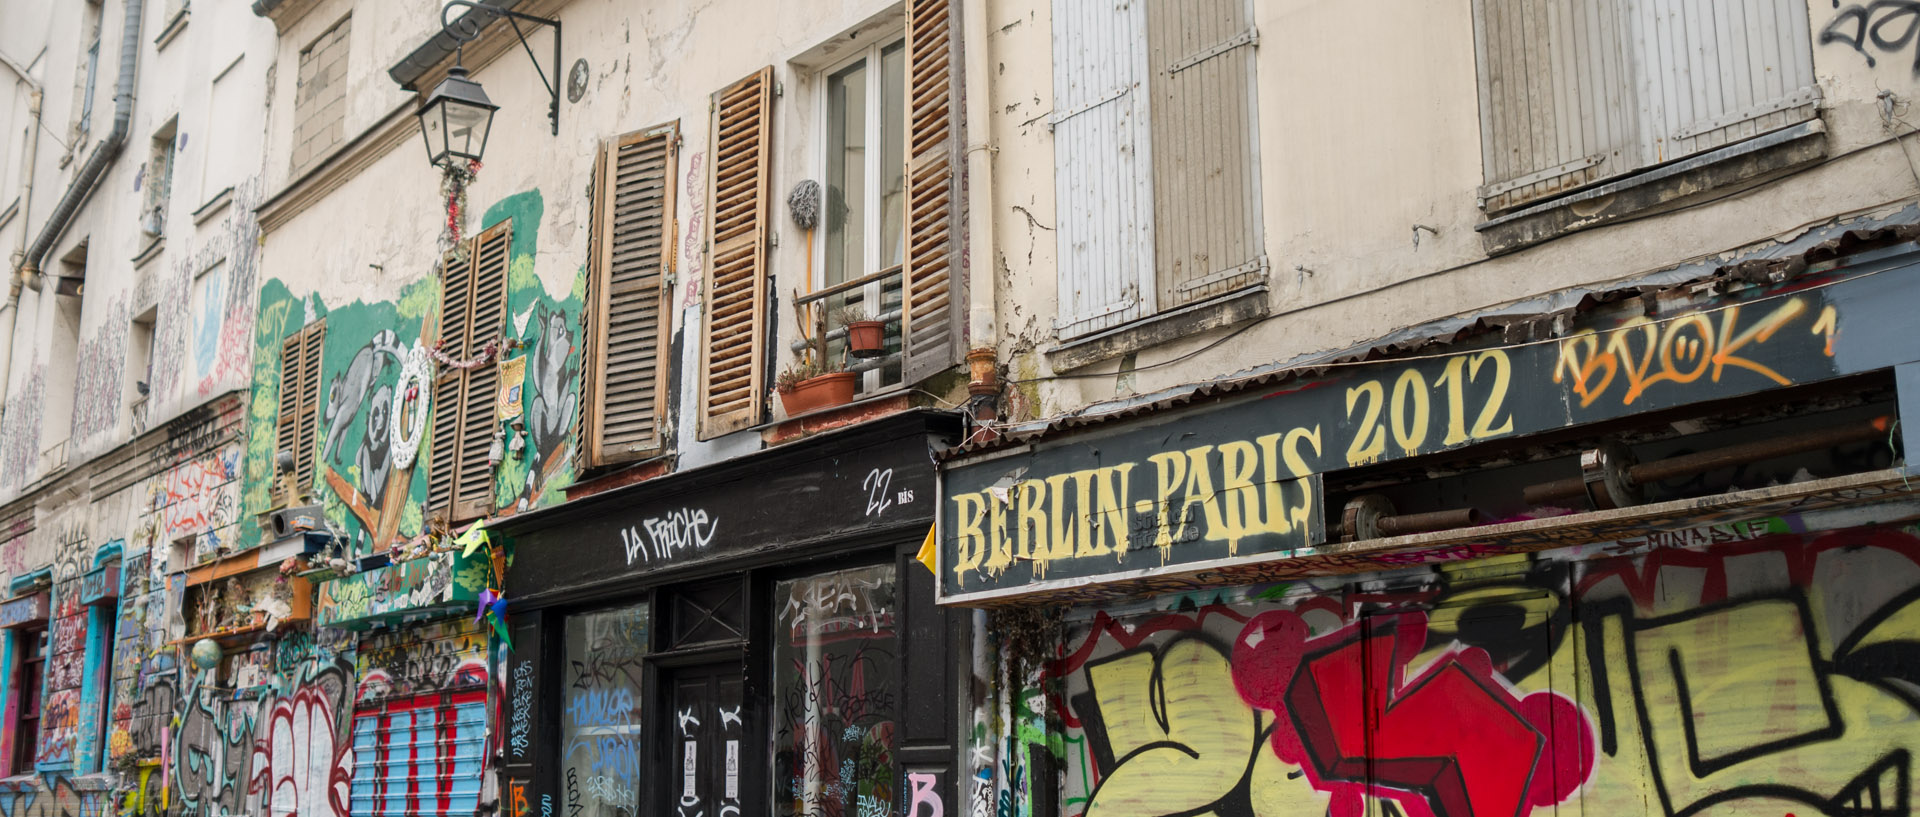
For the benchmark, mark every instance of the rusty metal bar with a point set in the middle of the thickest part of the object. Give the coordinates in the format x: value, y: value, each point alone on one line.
x: 1430, y: 521
x: 1687, y: 465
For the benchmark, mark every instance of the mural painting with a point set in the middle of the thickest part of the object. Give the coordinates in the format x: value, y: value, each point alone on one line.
x: 360, y: 484
x: 1771, y: 676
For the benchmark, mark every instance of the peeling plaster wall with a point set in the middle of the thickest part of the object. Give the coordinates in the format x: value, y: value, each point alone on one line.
x: 1354, y: 152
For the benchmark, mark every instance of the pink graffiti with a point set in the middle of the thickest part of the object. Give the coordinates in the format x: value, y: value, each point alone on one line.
x: 297, y: 765
x: 693, y: 247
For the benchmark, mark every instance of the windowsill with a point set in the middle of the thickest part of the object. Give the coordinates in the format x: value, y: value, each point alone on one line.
x: 1667, y: 187
x: 1224, y: 310
x: 213, y: 207
x: 866, y: 407
x: 151, y: 252
x: 173, y: 29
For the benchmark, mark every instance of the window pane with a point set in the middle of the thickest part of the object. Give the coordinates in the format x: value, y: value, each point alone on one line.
x: 835, y: 687
x: 600, y: 717
x: 846, y: 213
x: 893, y: 152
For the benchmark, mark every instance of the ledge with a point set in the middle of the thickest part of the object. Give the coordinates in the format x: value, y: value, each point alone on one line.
x: 151, y: 252
x: 213, y: 206
x: 1224, y: 310
x: 1744, y: 164
x: 173, y: 29
x: 346, y: 162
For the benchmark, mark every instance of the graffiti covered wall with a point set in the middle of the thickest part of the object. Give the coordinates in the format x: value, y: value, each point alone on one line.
x: 358, y: 479
x: 1774, y: 673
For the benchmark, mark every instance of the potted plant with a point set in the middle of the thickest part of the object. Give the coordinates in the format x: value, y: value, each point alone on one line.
x: 805, y: 387
x: 866, y: 337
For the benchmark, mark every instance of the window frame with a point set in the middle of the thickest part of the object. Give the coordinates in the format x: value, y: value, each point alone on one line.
x: 875, y: 379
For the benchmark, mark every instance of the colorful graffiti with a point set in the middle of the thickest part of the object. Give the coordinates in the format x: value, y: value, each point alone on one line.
x: 1778, y: 675
x: 425, y: 658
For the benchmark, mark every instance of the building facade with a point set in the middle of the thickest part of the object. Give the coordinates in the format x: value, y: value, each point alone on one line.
x: 1210, y: 398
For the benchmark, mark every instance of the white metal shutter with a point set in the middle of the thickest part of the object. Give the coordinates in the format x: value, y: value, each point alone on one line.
x: 1574, y: 92
x: 419, y: 756
x: 1103, y: 183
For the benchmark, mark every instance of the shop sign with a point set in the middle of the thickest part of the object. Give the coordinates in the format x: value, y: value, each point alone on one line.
x: 433, y: 584
x: 1239, y: 480
x: 23, y: 610
x: 743, y: 509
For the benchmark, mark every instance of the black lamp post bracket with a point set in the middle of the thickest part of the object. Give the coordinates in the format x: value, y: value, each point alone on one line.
x: 468, y: 25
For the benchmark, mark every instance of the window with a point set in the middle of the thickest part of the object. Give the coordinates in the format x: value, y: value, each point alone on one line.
x: 732, y: 383
x: 158, y: 182
x: 225, y: 104
x: 86, y: 75
x: 1574, y: 92
x: 29, y: 677
x: 63, y: 350
x: 320, y: 101
x: 627, y: 296
x: 836, y: 688
x: 297, y: 427
x: 209, y: 305
x: 1155, y: 163
x: 101, y: 617
x: 473, y: 306
x: 864, y: 212
x: 600, y: 716
x: 139, y: 386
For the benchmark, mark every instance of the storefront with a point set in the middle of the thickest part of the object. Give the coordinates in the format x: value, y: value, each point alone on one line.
x: 748, y: 638
x: 1650, y: 556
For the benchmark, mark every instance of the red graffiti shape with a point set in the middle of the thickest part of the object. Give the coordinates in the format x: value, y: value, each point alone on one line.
x: 1453, y: 741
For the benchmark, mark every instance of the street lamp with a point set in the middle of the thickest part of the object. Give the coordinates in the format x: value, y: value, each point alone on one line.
x: 457, y: 116
x: 456, y: 119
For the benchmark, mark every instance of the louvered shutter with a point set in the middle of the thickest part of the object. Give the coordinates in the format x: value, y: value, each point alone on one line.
x: 1102, y: 181
x: 299, y: 403
x: 628, y: 294
x: 935, y: 209
x: 1206, y: 188
x: 732, y: 381
x: 1574, y: 92
x: 473, y: 312
x: 583, y: 421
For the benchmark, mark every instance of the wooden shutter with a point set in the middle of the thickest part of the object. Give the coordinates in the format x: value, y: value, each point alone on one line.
x: 299, y: 409
x: 473, y: 306
x: 627, y: 294
x: 583, y: 451
x: 1102, y: 184
x: 1574, y: 92
x: 931, y: 325
x: 1206, y: 186
x: 732, y: 382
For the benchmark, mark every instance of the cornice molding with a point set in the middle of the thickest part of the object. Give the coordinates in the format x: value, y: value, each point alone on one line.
x: 346, y: 162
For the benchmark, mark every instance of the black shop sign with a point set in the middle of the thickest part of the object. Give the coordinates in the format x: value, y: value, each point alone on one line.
x: 1241, y: 480
x: 849, y: 485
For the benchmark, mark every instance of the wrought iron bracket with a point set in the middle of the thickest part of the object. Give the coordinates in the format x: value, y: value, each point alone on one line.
x: 468, y: 25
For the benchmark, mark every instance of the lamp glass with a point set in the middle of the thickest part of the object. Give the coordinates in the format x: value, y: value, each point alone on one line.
x: 456, y: 119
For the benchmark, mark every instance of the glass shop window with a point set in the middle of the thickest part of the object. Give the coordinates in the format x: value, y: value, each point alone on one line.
x: 836, y: 687
x: 600, y: 714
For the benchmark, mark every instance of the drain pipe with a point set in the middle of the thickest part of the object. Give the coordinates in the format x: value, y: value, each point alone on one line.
x: 983, y: 385
x: 12, y: 307
x: 103, y: 154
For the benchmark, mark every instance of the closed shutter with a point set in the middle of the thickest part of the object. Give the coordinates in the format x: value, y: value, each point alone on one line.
x: 628, y: 291
x: 299, y: 409
x: 1102, y: 184
x: 931, y: 328
x: 1574, y: 92
x: 732, y: 382
x: 419, y: 756
x: 1206, y: 186
x: 473, y: 313
x: 583, y: 451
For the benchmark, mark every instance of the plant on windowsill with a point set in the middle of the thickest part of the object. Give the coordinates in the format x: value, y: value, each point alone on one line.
x: 806, y: 386
x: 866, y: 336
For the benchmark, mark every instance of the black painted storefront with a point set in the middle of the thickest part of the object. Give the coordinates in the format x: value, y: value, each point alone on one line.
x: 753, y: 637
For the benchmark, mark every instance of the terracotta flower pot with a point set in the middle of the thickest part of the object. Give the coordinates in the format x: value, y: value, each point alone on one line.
x: 866, y: 338
x: 819, y: 392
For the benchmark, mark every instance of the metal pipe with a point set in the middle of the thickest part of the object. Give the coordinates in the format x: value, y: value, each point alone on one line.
x: 103, y: 154
x: 1430, y: 521
x: 1699, y: 462
x: 12, y: 306
x: 982, y: 282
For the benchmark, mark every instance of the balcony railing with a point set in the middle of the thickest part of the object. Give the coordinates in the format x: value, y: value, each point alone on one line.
x: 863, y: 291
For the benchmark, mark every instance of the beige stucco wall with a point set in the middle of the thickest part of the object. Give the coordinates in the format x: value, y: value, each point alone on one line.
x: 1369, y: 124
